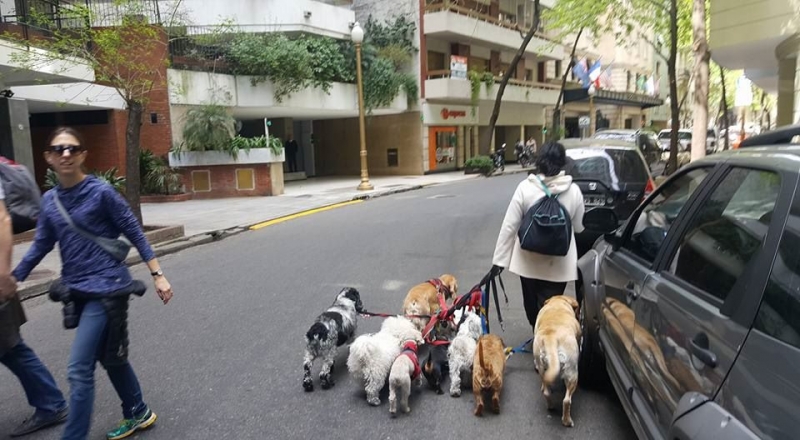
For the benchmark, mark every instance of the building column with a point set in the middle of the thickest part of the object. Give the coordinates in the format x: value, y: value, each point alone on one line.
x: 475, y: 140
x: 787, y: 85
x: 460, y: 147
x: 15, y: 132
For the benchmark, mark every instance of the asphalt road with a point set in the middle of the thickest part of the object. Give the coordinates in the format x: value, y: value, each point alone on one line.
x: 224, y: 358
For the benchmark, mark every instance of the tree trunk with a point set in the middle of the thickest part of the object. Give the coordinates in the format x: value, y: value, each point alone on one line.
x: 557, y: 110
x: 487, y: 138
x: 725, y: 117
x: 132, y: 136
x: 672, y: 162
x: 701, y: 59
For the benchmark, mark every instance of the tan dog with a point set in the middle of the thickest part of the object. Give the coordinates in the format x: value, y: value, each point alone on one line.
x: 487, y: 371
x: 556, y: 350
x: 423, y: 299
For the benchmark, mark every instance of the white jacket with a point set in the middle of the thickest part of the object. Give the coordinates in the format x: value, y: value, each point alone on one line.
x: 510, y: 255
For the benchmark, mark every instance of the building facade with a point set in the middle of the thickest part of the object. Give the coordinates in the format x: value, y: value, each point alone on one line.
x: 763, y: 39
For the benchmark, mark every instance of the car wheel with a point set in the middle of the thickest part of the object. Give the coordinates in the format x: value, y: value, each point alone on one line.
x: 591, y: 365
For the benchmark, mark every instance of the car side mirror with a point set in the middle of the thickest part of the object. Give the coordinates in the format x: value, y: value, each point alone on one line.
x: 603, y: 220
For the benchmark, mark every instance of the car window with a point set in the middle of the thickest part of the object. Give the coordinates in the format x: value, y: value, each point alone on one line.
x: 664, y: 135
x: 779, y: 313
x: 711, y: 134
x: 684, y: 136
x: 653, y: 224
x: 727, y: 231
x: 611, y: 166
x: 629, y: 137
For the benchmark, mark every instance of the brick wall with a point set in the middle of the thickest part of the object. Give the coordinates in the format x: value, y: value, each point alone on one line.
x: 105, y: 144
x: 223, y: 181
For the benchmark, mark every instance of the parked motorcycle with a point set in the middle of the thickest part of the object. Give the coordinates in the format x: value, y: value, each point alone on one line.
x: 525, y: 157
x: 499, y: 158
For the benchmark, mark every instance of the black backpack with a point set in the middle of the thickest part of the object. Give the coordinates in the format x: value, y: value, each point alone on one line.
x: 546, y: 228
x: 22, y: 196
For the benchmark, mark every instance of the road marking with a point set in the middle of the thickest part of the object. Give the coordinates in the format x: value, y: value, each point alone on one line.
x: 392, y: 285
x: 301, y: 214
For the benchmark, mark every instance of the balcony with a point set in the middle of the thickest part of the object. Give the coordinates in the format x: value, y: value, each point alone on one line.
x: 440, y: 87
x: 248, y: 101
x: 452, y: 21
x: 295, y: 16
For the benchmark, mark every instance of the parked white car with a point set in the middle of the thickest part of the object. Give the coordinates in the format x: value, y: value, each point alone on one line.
x: 684, y: 139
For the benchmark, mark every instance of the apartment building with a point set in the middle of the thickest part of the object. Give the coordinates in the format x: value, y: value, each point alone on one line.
x: 763, y: 38
x: 34, y: 99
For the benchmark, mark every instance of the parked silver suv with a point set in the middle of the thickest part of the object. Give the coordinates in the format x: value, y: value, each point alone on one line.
x: 692, y: 307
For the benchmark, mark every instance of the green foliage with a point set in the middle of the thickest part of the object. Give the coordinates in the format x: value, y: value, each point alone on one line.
x: 475, y: 80
x: 108, y: 176
x: 207, y: 128
x: 273, y: 57
x: 483, y: 164
x: 328, y: 62
x: 157, y: 176
x: 381, y: 84
x: 240, y: 143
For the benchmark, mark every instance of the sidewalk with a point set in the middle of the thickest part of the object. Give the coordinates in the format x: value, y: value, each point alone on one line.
x: 208, y: 220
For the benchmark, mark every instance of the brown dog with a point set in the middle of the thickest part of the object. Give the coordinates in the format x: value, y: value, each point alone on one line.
x: 488, y: 367
x: 555, y: 349
x: 423, y: 299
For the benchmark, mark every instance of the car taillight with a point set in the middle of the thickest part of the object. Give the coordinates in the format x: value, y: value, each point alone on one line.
x: 651, y: 186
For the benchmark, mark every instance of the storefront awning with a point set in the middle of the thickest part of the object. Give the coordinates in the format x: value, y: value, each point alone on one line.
x: 608, y: 97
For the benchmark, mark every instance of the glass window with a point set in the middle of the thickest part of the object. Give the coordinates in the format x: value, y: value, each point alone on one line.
x: 655, y: 220
x: 779, y: 314
x: 727, y: 231
x: 611, y: 166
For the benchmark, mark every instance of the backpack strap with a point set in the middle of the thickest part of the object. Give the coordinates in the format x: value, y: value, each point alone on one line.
x: 544, y: 186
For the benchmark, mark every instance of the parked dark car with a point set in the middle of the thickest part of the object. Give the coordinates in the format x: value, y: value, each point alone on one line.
x: 645, y: 140
x: 692, y: 306
x: 611, y: 174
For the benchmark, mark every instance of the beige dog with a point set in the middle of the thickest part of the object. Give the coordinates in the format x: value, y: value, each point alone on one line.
x: 423, y: 299
x: 555, y: 349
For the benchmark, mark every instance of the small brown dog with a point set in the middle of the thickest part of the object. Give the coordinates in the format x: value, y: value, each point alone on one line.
x: 555, y: 349
x: 488, y: 367
x: 423, y: 299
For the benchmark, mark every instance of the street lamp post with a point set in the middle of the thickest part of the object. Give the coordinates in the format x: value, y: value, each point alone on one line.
x: 357, y: 35
x: 592, y: 115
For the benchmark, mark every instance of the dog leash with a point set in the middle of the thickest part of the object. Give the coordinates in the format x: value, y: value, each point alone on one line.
x: 389, y: 315
x: 519, y: 348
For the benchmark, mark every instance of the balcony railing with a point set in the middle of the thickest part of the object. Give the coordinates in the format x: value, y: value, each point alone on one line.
x: 199, y: 48
x: 439, y: 74
x: 481, y: 11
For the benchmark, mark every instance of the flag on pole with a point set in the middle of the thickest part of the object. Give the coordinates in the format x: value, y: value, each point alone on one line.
x: 650, y: 86
x: 581, y: 73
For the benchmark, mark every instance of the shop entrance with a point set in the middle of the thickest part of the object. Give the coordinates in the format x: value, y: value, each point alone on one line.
x: 442, y: 142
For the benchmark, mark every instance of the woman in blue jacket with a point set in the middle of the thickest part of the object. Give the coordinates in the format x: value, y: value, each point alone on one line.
x: 92, y: 274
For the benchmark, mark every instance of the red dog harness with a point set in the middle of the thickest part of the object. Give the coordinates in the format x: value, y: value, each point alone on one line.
x: 410, y: 351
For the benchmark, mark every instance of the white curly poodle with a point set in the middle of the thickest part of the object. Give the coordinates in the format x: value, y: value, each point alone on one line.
x: 371, y: 355
x: 462, y: 349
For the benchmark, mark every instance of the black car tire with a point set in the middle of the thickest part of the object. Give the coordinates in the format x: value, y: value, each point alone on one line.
x: 591, y: 365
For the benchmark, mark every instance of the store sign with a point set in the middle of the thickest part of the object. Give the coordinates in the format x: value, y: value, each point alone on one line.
x: 458, y: 67
x: 442, y: 114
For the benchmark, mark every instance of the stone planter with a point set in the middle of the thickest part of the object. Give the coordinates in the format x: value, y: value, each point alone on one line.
x: 215, y: 174
x: 162, y: 198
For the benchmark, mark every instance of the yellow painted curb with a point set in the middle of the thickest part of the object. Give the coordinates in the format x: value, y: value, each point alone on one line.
x: 301, y: 214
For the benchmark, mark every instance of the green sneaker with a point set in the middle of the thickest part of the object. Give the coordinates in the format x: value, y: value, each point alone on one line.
x: 129, y: 426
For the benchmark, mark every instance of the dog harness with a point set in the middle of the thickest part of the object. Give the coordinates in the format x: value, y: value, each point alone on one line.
x: 410, y: 351
x: 441, y: 288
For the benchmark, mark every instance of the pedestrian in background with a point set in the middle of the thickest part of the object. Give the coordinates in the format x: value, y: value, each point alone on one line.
x: 542, y: 276
x: 93, y: 277
x: 291, y: 154
x: 40, y: 387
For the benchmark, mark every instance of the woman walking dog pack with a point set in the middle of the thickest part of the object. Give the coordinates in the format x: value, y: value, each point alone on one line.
x: 85, y: 216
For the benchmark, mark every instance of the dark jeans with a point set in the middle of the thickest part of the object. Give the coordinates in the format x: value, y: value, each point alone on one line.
x: 536, y: 292
x: 39, y: 385
x: 292, y: 159
x: 82, y: 360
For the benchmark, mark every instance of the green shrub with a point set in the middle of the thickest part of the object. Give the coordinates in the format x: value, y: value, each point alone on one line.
x: 483, y: 164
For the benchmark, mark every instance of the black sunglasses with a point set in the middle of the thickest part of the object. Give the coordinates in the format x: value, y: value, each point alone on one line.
x: 59, y: 149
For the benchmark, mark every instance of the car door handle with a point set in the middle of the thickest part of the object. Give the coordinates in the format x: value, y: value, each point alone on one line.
x: 630, y: 290
x: 699, y: 346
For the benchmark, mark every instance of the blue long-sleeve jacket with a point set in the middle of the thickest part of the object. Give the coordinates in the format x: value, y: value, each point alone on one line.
x: 96, y: 207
